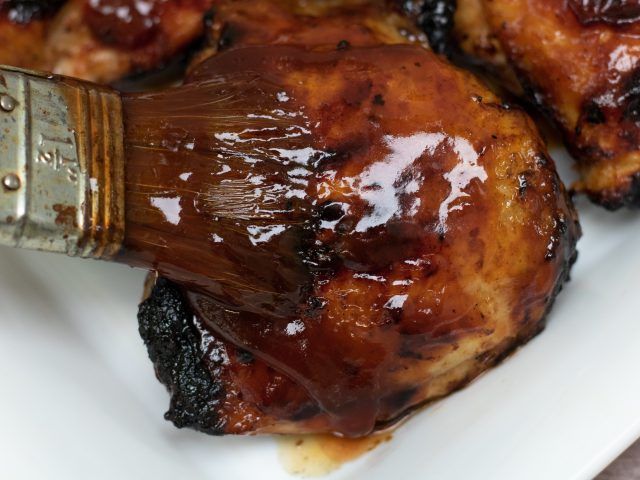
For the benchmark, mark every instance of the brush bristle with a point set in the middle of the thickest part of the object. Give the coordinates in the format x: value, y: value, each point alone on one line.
x: 216, y: 187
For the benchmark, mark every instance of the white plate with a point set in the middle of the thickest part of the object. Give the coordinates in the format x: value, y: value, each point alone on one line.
x: 78, y: 398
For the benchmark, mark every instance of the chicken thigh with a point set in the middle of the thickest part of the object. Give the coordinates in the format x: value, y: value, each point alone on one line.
x: 97, y: 40
x: 578, y: 60
x: 417, y: 231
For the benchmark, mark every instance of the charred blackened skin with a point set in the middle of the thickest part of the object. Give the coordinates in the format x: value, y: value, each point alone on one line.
x: 615, y: 200
x: 25, y: 11
x: 631, y: 98
x: 435, y: 18
x: 593, y: 114
x: 174, y: 348
x: 616, y: 12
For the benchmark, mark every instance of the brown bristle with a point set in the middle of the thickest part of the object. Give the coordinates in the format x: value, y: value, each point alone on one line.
x: 216, y: 187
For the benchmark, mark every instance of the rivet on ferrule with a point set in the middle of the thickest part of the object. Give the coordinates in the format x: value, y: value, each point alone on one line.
x: 11, y: 182
x: 7, y: 103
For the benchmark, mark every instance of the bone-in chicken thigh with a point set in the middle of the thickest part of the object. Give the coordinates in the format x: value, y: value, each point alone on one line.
x: 579, y: 61
x: 98, y: 40
x: 384, y: 227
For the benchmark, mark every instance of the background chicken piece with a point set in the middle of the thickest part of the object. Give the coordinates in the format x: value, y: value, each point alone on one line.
x: 313, y: 25
x: 98, y: 40
x: 579, y: 62
x: 23, y: 27
x: 411, y: 297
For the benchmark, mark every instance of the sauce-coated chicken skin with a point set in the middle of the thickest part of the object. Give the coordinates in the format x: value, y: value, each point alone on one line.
x: 416, y: 233
x: 579, y: 61
x: 98, y: 40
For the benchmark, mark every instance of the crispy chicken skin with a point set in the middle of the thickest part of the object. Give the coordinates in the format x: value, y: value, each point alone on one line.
x: 579, y: 61
x: 436, y: 238
x: 312, y: 24
x: 87, y: 39
x: 23, y: 27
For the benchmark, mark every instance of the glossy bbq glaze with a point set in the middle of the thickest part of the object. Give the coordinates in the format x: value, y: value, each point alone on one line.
x: 23, y: 25
x: 579, y: 61
x: 98, y: 40
x: 318, y: 24
x: 124, y: 23
x: 356, y: 231
x: 136, y: 23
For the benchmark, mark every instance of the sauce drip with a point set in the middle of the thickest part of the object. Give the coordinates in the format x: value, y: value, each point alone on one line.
x: 319, y: 455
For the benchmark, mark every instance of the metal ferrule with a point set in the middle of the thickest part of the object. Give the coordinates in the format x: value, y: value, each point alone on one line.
x: 61, y: 165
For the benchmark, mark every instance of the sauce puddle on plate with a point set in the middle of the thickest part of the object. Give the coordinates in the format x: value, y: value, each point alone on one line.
x: 318, y: 455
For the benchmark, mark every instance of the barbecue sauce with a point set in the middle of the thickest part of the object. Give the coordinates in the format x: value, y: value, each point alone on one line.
x: 124, y: 23
x: 317, y: 209
x: 319, y: 455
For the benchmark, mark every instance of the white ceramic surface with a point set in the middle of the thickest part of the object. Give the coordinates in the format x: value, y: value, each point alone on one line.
x: 79, y: 400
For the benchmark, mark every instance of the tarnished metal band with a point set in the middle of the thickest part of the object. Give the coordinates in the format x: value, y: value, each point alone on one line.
x: 61, y: 165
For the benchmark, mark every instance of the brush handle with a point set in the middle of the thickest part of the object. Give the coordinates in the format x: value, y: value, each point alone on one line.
x: 61, y: 165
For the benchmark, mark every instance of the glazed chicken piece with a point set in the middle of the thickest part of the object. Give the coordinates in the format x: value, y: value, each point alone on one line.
x: 23, y: 27
x: 578, y: 60
x: 98, y: 40
x: 383, y: 228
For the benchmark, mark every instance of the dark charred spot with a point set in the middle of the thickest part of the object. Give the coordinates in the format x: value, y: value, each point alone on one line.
x: 378, y: 100
x: 485, y: 357
x: 541, y: 160
x: 392, y: 315
x: 435, y: 18
x: 345, y: 226
x: 632, y: 110
x: 560, y: 229
x: 306, y: 412
x: 245, y: 357
x: 523, y: 184
x: 631, y: 97
x: 404, y: 352
x: 356, y: 93
x: 228, y: 36
x: 622, y: 197
x: 593, y: 114
x: 26, y: 11
x: 173, y: 344
x: 208, y: 22
x: 208, y: 19
x: 400, y: 399
x: 350, y: 368
x: 343, y: 45
x: 314, y: 306
x: 332, y: 212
